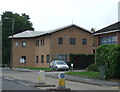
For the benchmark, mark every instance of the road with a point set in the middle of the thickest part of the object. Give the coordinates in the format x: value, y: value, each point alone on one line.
x: 28, y: 76
x: 10, y: 84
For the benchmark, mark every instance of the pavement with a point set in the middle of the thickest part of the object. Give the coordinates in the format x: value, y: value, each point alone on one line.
x: 78, y: 79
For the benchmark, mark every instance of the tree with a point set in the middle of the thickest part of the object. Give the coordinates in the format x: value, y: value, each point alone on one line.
x: 21, y: 24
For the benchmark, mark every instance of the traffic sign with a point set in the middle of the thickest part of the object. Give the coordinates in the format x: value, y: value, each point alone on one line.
x: 22, y: 60
x: 61, y: 76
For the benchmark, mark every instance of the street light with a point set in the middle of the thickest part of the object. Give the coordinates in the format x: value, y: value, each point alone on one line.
x: 13, y: 20
x: 11, y: 61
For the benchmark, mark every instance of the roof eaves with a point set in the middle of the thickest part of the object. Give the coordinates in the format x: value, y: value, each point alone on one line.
x: 106, y: 32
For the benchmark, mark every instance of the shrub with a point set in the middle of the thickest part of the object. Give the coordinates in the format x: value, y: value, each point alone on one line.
x: 92, y: 67
x: 109, y: 56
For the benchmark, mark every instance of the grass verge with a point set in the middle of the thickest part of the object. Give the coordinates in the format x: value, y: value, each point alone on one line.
x: 88, y: 74
x: 35, y: 68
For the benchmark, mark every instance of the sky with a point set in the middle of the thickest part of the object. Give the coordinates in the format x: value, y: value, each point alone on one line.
x: 51, y: 14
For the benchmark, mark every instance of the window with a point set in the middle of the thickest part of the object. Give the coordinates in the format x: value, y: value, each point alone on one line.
x: 62, y: 57
x: 16, y: 44
x: 43, y: 42
x: 72, y: 41
x: 24, y: 57
x: 60, y: 40
x: 37, y: 43
x: 23, y: 44
x: 84, y: 41
x: 37, y: 59
x: 108, y: 40
x: 42, y: 58
x: 48, y: 58
x: 113, y: 39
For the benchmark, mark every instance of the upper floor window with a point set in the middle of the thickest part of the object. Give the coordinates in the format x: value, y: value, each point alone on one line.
x: 23, y: 44
x: 16, y: 44
x: 60, y: 40
x: 84, y: 41
x: 108, y: 40
x: 37, y: 43
x: 42, y: 42
x: 72, y: 41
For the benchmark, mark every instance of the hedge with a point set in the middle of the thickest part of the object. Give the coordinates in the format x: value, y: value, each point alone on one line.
x: 81, y: 61
x: 109, y: 56
x: 93, y: 67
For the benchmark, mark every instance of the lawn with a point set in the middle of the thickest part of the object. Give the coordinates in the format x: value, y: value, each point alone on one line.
x: 34, y: 68
x: 84, y: 74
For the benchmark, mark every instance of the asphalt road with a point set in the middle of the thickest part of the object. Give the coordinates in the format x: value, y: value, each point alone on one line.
x: 33, y: 76
x: 10, y: 84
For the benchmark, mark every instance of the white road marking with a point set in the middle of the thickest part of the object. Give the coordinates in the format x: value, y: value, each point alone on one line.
x: 17, y: 78
x: 88, y: 79
x: 8, y: 78
x: 22, y: 83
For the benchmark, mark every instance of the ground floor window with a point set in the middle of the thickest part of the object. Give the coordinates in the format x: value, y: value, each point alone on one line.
x: 42, y: 58
x: 24, y: 57
x: 48, y: 58
x: 62, y: 57
x: 37, y: 59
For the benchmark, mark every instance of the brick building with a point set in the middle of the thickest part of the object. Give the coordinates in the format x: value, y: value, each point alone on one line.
x: 39, y: 48
x: 108, y: 35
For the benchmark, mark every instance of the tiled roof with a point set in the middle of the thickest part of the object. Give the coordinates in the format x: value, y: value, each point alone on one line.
x: 30, y: 33
x: 111, y: 28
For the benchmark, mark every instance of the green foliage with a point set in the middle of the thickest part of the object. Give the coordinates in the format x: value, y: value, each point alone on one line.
x: 92, y: 67
x: 109, y: 55
x: 81, y: 61
x: 21, y: 24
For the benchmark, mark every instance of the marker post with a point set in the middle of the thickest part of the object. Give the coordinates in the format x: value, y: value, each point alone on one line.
x: 41, y: 76
x: 61, y: 80
x: 71, y: 66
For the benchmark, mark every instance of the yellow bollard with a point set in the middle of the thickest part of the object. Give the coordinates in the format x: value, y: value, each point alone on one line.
x: 61, y: 80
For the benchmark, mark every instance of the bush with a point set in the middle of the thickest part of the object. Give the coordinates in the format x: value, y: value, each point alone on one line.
x: 109, y: 56
x: 92, y: 67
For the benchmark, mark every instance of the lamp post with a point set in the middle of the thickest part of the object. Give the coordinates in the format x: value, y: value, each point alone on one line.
x: 11, y: 60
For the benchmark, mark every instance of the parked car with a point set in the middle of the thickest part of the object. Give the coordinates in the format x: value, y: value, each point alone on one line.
x: 59, y: 65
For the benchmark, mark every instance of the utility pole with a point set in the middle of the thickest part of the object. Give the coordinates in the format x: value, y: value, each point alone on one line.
x: 11, y: 61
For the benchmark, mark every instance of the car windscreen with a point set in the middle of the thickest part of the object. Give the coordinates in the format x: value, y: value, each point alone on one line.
x: 60, y: 63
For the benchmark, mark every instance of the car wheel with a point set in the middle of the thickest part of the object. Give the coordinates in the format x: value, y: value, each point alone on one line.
x: 56, y: 69
x: 51, y: 68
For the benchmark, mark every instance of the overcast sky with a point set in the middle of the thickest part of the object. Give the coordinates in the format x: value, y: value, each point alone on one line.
x: 51, y: 14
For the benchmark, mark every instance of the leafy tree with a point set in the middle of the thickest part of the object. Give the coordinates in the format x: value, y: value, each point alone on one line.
x: 21, y: 23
